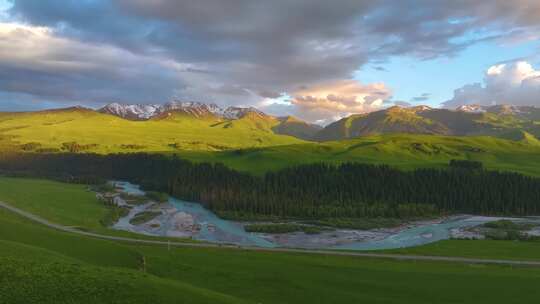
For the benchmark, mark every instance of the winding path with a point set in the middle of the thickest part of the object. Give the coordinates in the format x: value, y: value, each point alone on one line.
x: 45, y: 222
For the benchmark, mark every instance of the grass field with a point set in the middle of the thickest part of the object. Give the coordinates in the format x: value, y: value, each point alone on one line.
x: 40, y: 265
x: 102, y: 133
x: 67, y: 204
x: 404, y: 151
x: 486, y: 249
x: 249, y: 144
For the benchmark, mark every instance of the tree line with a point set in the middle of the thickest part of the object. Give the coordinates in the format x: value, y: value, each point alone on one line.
x: 319, y: 190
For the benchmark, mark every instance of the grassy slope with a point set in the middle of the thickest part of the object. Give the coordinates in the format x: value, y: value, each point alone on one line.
x: 40, y: 265
x: 322, y: 279
x: 401, y: 150
x: 27, y: 282
x: 198, y: 139
x: 55, y: 267
x: 47, y: 269
x: 32, y: 274
x: 66, y: 204
x: 52, y: 128
x: 510, y: 250
x: 418, y: 120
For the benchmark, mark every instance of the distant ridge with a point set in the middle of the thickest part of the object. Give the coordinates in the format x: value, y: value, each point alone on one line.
x: 148, y: 111
x: 469, y: 120
x: 521, y: 123
x: 524, y: 112
x: 284, y: 126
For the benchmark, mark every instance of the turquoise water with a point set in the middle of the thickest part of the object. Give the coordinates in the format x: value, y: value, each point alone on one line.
x: 417, y: 236
x: 216, y: 230
x: 213, y: 229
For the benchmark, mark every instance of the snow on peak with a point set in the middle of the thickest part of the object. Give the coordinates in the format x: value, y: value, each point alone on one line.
x: 421, y: 108
x: 472, y: 108
x: 131, y: 111
x: 192, y: 107
x: 144, y: 112
x: 237, y: 112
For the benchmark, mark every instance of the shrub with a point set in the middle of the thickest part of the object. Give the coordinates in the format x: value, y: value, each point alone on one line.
x: 74, y: 147
x: 30, y: 146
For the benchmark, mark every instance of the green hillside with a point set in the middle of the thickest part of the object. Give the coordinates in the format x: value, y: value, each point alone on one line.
x: 392, y: 120
x: 82, y: 130
x: 494, y: 121
x: 406, y: 151
x: 251, y: 143
x: 40, y: 265
x: 294, y: 127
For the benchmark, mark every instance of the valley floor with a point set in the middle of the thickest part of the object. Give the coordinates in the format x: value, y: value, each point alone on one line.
x: 43, y: 265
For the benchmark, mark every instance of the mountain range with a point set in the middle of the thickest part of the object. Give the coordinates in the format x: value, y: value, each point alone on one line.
x: 197, y: 109
x: 287, y: 125
x: 189, y: 126
x: 504, y: 121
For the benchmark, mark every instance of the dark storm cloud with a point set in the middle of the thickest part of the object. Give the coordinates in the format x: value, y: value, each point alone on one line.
x: 244, y: 47
x: 94, y: 88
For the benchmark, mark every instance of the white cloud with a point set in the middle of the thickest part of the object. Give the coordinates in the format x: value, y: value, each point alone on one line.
x: 333, y: 100
x: 515, y: 83
x: 36, y: 61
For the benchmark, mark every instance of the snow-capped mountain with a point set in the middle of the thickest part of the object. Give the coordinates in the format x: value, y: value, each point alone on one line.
x: 523, y: 112
x: 473, y: 108
x: 132, y: 111
x: 421, y: 108
x: 197, y: 109
x: 237, y: 112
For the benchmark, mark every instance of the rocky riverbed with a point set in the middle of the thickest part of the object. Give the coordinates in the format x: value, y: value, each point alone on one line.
x: 176, y: 218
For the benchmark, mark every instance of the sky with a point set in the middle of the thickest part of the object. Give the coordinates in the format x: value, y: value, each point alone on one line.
x: 318, y: 60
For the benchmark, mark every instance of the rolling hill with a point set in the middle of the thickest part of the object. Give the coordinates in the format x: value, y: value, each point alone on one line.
x: 503, y: 137
x: 294, y: 127
x: 405, y: 151
x: 495, y: 121
x: 84, y: 130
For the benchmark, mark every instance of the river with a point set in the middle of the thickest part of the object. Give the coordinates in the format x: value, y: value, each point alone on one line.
x: 187, y: 219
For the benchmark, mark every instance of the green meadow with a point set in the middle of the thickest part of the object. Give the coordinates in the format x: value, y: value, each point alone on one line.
x: 102, y: 133
x: 41, y: 265
x: 484, y: 249
x: 71, y: 205
x: 405, y: 151
x: 249, y: 144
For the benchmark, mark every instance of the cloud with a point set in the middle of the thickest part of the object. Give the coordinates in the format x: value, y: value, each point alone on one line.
x: 338, y: 99
x: 35, y: 61
x: 270, y: 47
x: 237, y: 51
x: 515, y: 83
